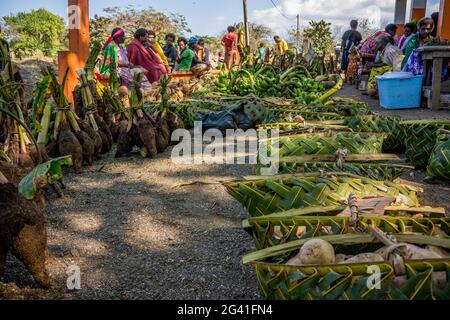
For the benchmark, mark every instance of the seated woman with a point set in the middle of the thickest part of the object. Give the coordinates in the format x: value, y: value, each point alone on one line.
x: 410, y: 31
x: 413, y: 61
x: 390, y: 60
x: 369, y: 47
x: 186, y: 56
x: 114, y: 54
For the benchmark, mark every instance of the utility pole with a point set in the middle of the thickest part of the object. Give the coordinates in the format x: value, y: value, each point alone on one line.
x: 247, y: 32
x: 298, y: 33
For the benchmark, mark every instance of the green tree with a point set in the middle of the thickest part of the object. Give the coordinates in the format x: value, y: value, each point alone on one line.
x: 131, y: 19
x: 319, y: 33
x: 36, y: 31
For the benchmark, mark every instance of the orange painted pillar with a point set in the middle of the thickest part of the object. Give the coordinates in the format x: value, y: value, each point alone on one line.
x: 418, y: 9
x: 444, y: 20
x: 400, y: 16
x: 79, y: 40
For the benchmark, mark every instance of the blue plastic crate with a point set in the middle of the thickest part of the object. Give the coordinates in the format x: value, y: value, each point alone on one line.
x: 400, y: 90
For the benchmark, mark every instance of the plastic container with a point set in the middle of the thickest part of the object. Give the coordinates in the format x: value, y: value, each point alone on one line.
x: 400, y: 90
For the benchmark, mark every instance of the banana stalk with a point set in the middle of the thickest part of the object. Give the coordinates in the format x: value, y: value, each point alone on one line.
x: 45, y: 121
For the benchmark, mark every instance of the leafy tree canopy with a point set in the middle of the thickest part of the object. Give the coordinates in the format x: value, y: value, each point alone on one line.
x: 36, y: 31
x: 320, y: 35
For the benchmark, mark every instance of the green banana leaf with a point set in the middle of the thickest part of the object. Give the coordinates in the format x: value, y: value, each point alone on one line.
x: 43, y: 175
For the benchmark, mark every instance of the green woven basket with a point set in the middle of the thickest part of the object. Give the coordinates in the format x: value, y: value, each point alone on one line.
x: 277, y: 281
x: 438, y: 169
x: 273, y: 230
x: 420, y: 138
x: 281, y: 193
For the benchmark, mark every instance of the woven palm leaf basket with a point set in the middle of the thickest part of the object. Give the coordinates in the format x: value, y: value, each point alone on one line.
x: 438, y: 169
x: 264, y: 196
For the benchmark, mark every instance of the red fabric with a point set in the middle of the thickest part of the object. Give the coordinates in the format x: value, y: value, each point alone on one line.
x: 229, y: 40
x: 116, y: 35
x: 147, y: 59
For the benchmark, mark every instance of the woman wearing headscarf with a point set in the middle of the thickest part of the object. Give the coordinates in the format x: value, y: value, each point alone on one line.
x: 115, y: 54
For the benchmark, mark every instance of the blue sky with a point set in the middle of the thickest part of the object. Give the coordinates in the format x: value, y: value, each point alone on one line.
x: 212, y: 16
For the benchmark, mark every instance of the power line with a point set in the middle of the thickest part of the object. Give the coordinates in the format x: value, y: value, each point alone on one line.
x: 281, y: 12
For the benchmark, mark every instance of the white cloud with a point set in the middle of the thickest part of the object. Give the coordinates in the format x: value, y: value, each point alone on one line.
x: 338, y: 13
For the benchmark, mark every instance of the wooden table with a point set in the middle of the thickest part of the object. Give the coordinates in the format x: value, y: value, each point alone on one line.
x: 433, y: 57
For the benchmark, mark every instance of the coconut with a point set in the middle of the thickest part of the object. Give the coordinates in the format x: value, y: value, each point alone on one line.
x: 315, y: 252
x: 88, y: 147
x: 68, y: 144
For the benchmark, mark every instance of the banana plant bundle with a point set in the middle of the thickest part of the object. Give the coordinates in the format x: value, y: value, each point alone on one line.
x: 420, y: 137
x: 330, y: 142
x: 282, y: 193
x: 398, y: 277
x: 389, y: 125
x: 439, y: 165
x: 276, y: 229
x: 360, y: 165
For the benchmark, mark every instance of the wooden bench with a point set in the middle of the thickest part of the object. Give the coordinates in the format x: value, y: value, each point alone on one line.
x: 433, y: 57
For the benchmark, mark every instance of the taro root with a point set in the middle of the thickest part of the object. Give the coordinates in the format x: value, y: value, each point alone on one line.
x: 88, y: 147
x: 12, y: 172
x: 23, y: 232
x: 95, y: 136
x: 147, y: 134
x: 162, y: 135
x: 68, y: 144
x: 115, y: 129
x: 105, y: 142
x: 125, y: 141
x: 78, y: 102
x: 105, y: 128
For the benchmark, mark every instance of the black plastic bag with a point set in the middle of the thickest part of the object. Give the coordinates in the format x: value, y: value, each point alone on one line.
x: 221, y: 120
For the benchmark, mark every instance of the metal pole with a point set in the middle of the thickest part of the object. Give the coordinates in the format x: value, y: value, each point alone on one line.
x: 247, y: 32
x: 298, y: 32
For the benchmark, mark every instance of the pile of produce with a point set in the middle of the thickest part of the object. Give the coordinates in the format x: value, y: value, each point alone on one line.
x: 177, y: 90
x: 317, y: 235
x: 266, y: 81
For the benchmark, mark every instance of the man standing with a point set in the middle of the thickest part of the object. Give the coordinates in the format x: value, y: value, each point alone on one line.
x: 229, y: 41
x: 350, y: 38
x: 281, y: 46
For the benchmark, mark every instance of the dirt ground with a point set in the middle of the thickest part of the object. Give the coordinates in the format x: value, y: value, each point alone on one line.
x: 146, y: 229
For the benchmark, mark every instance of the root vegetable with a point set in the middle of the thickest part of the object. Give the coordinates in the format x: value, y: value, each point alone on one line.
x: 315, y: 252
x: 23, y: 232
x: 124, y: 141
x: 364, y: 258
x: 68, y: 144
x: 88, y: 147
x: 147, y: 134
x: 103, y: 126
x: 95, y: 136
x: 105, y: 142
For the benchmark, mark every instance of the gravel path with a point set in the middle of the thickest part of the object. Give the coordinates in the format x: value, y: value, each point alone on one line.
x: 137, y: 231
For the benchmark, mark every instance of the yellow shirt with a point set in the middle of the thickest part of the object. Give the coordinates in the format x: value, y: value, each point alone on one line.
x: 281, y: 47
x: 161, y: 53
